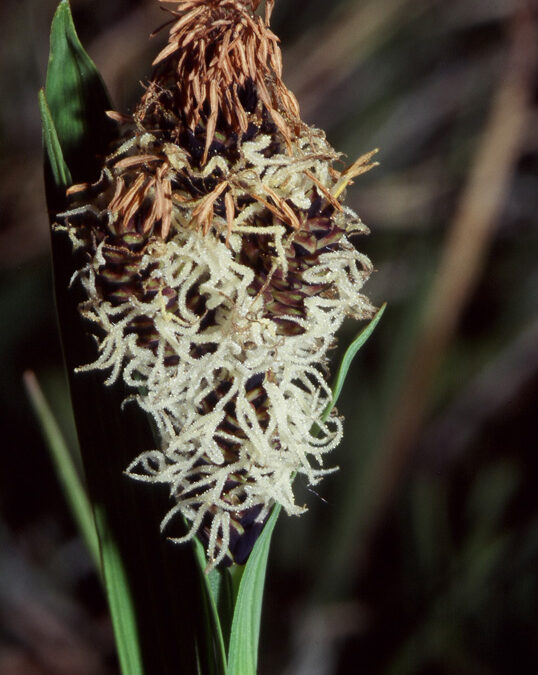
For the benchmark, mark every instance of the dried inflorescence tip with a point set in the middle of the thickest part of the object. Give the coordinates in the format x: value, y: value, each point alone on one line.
x: 219, y: 269
x: 218, y: 49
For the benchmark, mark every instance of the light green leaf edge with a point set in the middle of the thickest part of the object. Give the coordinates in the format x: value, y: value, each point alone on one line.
x: 64, y: 465
x: 245, y: 633
x: 350, y: 354
x: 59, y: 169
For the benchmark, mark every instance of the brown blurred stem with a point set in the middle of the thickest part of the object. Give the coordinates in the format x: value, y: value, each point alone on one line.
x: 467, y: 243
x: 339, y: 48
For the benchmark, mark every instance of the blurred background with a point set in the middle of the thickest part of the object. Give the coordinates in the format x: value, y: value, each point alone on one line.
x: 421, y: 555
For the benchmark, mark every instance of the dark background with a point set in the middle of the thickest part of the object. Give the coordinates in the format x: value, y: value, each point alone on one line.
x: 421, y: 555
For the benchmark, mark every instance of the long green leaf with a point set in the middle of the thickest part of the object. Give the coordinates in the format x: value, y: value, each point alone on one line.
x: 245, y: 633
x: 76, y: 132
x: 66, y: 471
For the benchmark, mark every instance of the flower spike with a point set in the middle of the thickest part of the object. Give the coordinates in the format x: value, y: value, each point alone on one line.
x: 219, y: 269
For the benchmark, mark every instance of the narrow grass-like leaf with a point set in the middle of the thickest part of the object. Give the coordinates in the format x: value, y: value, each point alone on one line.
x: 61, y: 176
x: 120, y: 603
x: 77, y: 98
x: 74, y: 490
x: 245, y: 633
x: 102, y: 548
x: 350, y: 354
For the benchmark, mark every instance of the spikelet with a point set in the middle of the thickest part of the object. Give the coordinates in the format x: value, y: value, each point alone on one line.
x: 219, y: 269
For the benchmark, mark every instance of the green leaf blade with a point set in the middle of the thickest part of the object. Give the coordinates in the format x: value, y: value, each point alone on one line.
x: 64, y: 465
x: 245, y: 633
x: 77, y: 135
x: 95, y: 532
x: 349, y: 355
x: 77, y: 99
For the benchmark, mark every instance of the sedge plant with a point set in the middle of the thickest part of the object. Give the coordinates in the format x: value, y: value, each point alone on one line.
x: 203, y: 261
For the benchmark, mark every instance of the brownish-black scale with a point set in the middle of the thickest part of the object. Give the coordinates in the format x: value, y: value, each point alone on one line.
x: 244, y: 531
x: 284, y: 296
x: 121, y: 278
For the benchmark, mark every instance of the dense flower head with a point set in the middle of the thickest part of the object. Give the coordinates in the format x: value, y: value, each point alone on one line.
x: 219, y: 268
